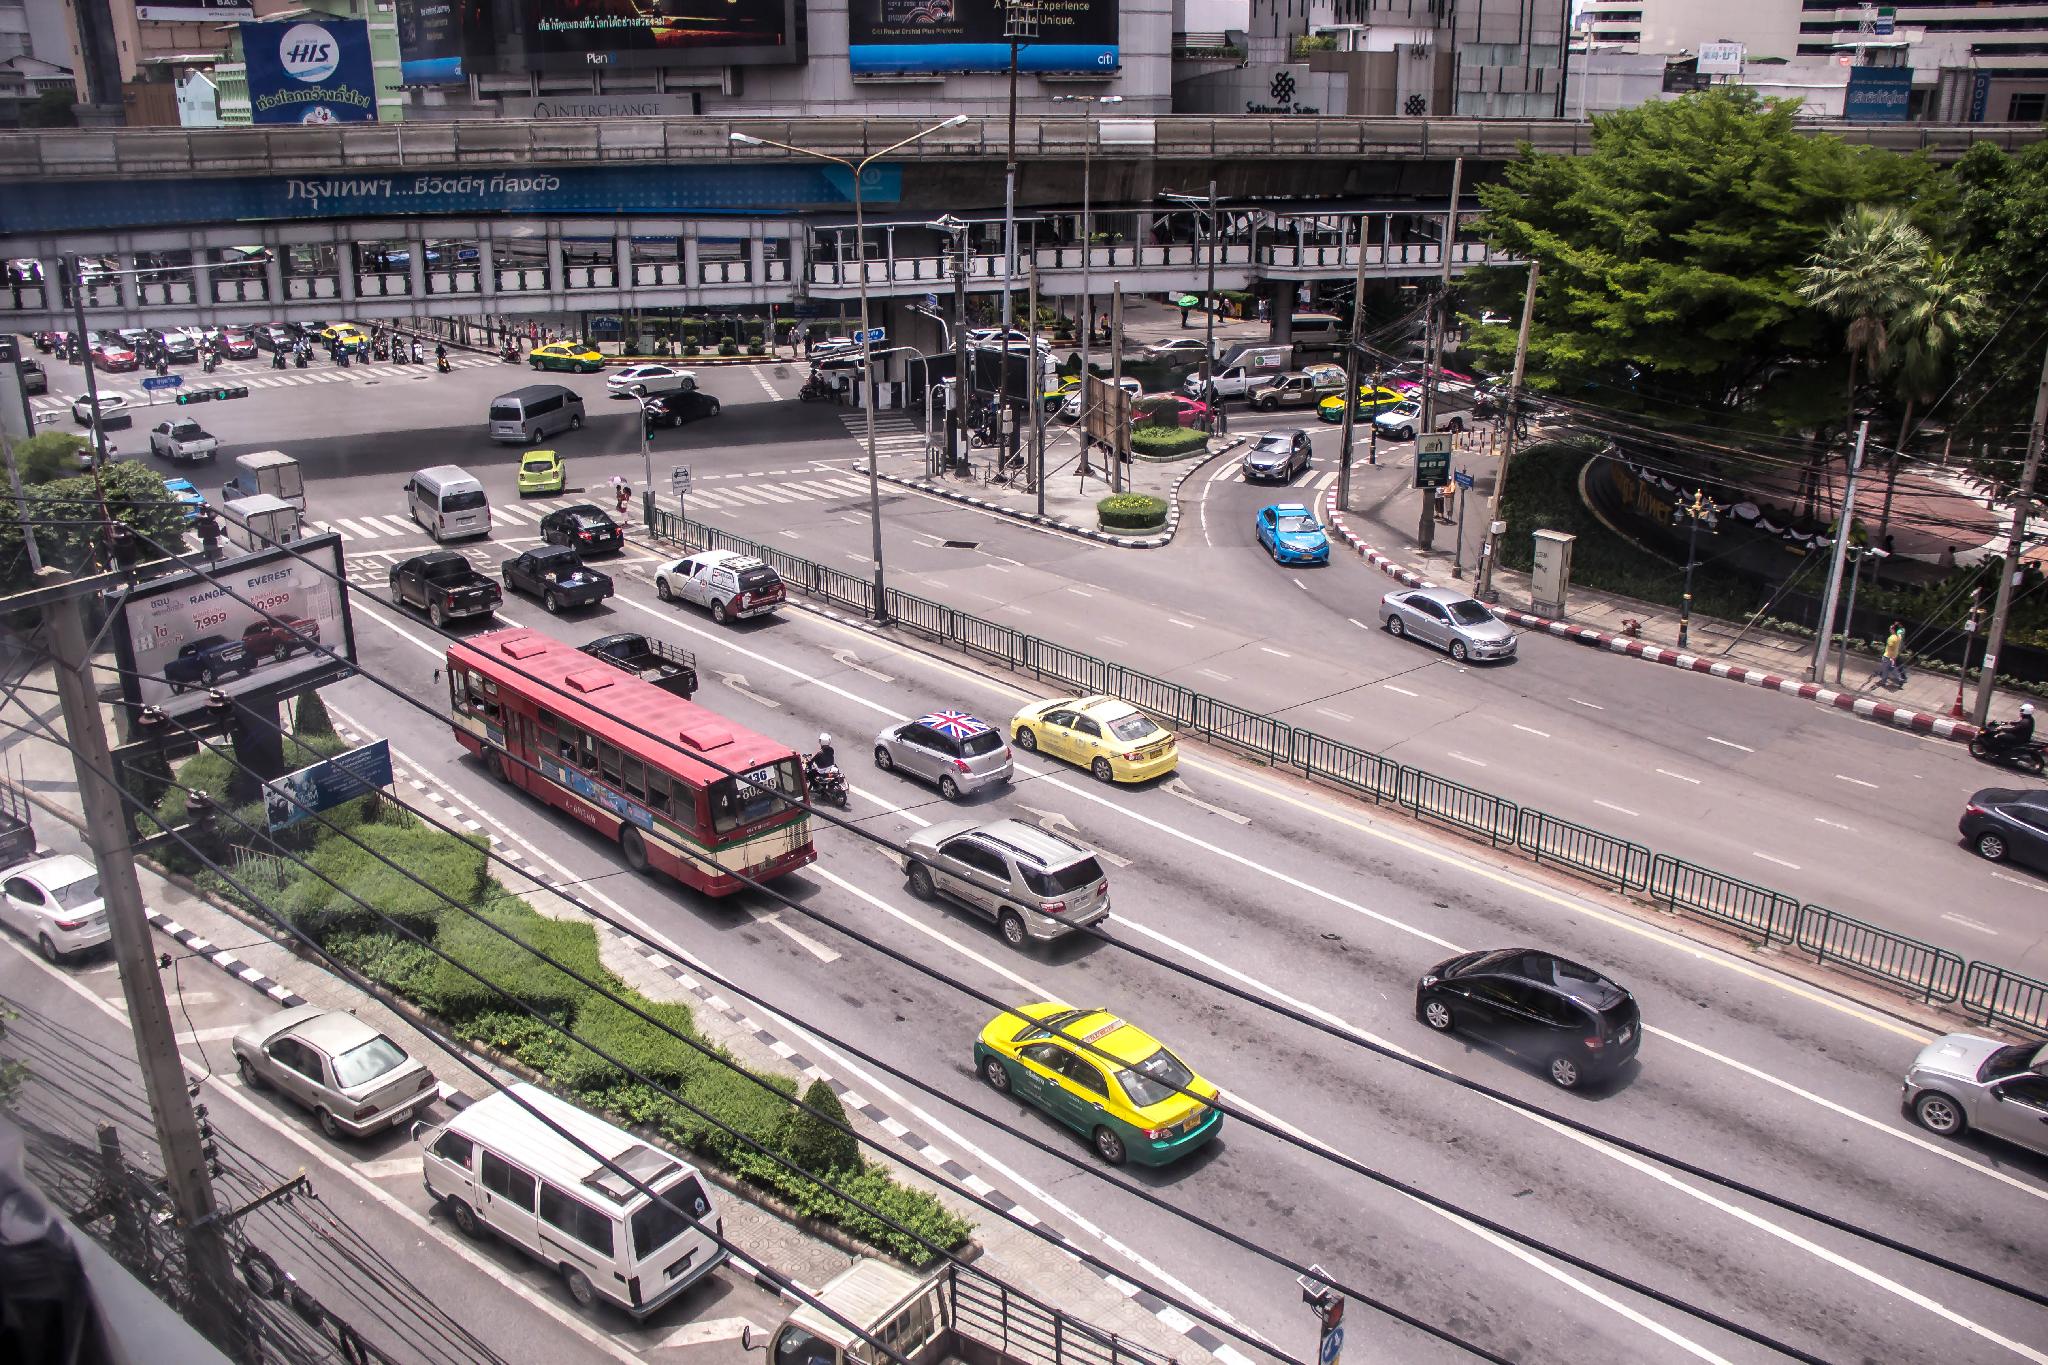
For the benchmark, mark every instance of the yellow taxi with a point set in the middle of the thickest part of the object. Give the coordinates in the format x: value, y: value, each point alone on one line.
x: 1108, y: 1080
x: 1370, y: 401
x: 351, y: 337
x: 1108, y: 736
x: 1059, y: 393
x: 575, y: 356
x: 542, y: 471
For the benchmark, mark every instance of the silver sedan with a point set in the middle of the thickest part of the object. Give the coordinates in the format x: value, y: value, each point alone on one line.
x: 354, y: 1079
x: 1962, y: 1082
x: 1459, y: 625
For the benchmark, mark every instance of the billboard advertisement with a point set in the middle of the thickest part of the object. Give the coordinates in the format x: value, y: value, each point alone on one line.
x: 300, y: 795
x: 1878, y: 94
x: 576, y: 35
x: 245, y: 626
x: 310, y: 71
x: 967, y: 35
x: 439, y: 40
x: 198, y: 11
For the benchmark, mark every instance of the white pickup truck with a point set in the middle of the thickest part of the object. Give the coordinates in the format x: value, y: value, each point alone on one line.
x: 183, y: 439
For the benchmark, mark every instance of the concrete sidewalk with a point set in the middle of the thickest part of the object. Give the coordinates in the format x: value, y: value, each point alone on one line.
x: 1381, y: 521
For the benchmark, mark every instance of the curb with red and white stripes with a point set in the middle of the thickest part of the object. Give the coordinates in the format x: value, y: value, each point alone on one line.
x: 1885, y: 712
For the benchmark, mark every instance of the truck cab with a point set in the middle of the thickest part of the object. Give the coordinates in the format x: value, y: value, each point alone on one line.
x: 269, y: 472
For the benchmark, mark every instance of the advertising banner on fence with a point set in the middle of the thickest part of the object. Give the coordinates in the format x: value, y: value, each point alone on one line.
x: 967, y: 35
x: 575, y: 35
x: 299, y: 795
x: 308, y: 71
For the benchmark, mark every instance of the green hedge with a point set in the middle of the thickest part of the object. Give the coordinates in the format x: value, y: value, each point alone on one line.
x: 1131, y: 511
x: 1160, y: 443
x: 743, y: 1109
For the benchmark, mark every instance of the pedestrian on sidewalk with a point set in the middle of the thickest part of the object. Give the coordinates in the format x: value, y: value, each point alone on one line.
x: 1187, y: 304
x: 1890, y: 672
x: 1219, y: 415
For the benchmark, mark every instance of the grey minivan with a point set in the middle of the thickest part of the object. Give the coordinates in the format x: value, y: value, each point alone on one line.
x: 1031, y: 882
x: 534, y: 413
x: 952, y: 750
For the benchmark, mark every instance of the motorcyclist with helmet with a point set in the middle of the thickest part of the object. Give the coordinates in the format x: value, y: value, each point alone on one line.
x: 2010, y: 736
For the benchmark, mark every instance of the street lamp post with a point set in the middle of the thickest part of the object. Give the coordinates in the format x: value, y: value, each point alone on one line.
x: 1694, y: 512
x: 1207, y: 207
x: 858, y: 168
x: 1087, y: 259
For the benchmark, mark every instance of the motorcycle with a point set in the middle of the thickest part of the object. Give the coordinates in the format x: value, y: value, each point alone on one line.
x: 441, y: 364
x: 510, y: 355
x: 209, y: 364
x: 299, y: 357
x: 379, y: 351
x: 829, y: 784
x: 815, y: 390
x: 2031, y: 757
x: 277, y: 360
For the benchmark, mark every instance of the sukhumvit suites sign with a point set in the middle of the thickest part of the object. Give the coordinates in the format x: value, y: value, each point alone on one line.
x: 306, y: 71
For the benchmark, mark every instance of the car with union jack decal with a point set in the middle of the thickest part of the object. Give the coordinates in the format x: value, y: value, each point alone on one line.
x: 955, y: 752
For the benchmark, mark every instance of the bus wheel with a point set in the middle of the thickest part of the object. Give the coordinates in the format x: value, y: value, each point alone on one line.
x: 494, y: 764
x: 634, y: 847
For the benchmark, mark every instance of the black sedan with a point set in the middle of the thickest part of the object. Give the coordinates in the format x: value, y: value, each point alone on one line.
x: 555, y: 574
x: 674, y: 409
x: 276, y: 336
x: 584, y: 528
x: 1569, y: 1019
x: 2004, y: 822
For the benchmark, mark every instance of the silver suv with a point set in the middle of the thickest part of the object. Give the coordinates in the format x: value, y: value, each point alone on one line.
x: 956, y: 752
x: 1033, y: 884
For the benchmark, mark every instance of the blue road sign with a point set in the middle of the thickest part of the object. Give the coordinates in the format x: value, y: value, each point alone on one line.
x: 872, y: 335
x: 1462, y: 479
x: 931, y: 301
x: 163, y: 381
x: 1332, y: 1346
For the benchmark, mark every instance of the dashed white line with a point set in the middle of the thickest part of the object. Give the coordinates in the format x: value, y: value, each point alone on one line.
x: 1268, y: 649
x: 1182, y: 624
x: 2017, y: 881
x: 1680, y: 776
x: 1540, y: 734
x: 1076, y: 591
x: 1463, y: 759
x: 1590, y: 706
x: 1822, y: 820
x: 1611, y: 806
x: 1969, y: 923
x: 1212, y: 673
x: 1779, y: 861
x: 1356, y: 622
x: 1716, y: 739
x: 1844, y: 777
x: 1334, y: 715
x: 1299, y: 584
x: 1110, y: 640
x: 1402, y: 690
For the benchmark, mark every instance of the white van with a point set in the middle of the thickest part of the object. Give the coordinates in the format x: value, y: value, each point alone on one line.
x: 448, y: 501
x: 534, y: 413
x: 507, y: 1168
x: 1318, y: 331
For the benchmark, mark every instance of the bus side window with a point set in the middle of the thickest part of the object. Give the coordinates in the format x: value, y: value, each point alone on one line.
x: 657, y: 790
x: 587, y: 760
x: 633, y: 779
x: 480, y: 695
x: 608, y: 763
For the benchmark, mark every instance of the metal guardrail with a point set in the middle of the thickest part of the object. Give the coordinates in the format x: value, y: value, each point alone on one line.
x: 1935, y: 974
x: 1022, y: 1328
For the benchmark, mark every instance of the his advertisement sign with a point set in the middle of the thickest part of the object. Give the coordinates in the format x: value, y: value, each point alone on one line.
x: 1878, y: 94
x: 306, y: 71
x: 198, y: 11
x: 299, y: 795
x: 967, y: 35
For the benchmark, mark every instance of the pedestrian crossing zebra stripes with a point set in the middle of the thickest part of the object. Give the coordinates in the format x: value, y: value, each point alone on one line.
x: 263, y: 377
x: 896, y: 433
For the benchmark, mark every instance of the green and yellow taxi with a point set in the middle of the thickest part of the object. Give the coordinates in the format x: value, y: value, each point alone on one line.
x: 542, y: 471
x: 1108, y: 1080
x: 351, y: 337
x: 1057, y: 395
x: 575, y: 356
x: 1370, y: 402
x: 1108, y: 736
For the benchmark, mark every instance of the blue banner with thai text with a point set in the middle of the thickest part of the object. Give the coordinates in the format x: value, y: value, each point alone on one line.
x: 323, y: 786
x: 1878, y: 94
x: 310, y: 71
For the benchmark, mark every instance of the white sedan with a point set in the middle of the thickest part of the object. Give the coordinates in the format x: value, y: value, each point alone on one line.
x: 113, y: 410
x: 56, y: 904
x: 640, y: 380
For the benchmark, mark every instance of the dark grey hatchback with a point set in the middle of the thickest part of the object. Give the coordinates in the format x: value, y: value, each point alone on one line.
x: 2007, y: 822
x: 1574, y: 1022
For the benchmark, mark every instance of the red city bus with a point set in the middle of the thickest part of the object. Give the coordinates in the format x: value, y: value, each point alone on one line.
x: 631, y: 760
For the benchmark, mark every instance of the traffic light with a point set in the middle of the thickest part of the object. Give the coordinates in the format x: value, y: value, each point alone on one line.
x: 186, y: 396
x: 227, y: 391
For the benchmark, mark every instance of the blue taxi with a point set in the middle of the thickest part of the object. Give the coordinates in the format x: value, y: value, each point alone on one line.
x: 1292, y: 535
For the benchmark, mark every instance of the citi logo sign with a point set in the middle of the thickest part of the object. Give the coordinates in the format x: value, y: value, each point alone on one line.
x: 308, y: 53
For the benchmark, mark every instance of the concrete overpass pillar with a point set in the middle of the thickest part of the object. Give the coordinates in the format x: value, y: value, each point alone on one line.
x: 558, y: 271
x: 757, y: 261
x: 486, y: 274
x: 622, y: 262
x: 273, y: 273
x: 416, y: 268
x: 202, y: 279
x: 1282, y: 308
x: 346, y: 263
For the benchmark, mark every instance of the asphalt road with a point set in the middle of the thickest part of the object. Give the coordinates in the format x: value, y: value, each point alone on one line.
x: 1295, y: 897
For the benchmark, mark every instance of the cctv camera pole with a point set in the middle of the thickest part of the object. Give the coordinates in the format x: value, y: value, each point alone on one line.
x: 1425, y: 530
x: 2022, y: 506
x: 210, y: 1271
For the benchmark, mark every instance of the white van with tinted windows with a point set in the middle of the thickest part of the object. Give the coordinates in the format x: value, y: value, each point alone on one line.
x: 448, y: 501
x: 637, y: 1239
x: 534, y: 413
x: 1317, y: 331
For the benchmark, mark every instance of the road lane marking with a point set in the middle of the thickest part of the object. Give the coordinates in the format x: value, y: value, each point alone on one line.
x: 1268, y: 649
x: 1179, y: 788
x: 1299, y: 584
x: 1109, y: 640
x: 773, y: 919
x: 1356, y: 622
x: 1844, y: 777
x: 1540, y: 734
x: 1402, y: 690
x: 1716, y: 739
x: 1078, y: 592
x: 1821, y: 819
x: 1334, y: 715
x: 1590, y: 706
x: 206, y: 1035
x: 1969, y: 923
x: 1464, y: 759
x: 1212, y: 673
x: 1171, y: 621
x: 1611, y: 806
x: 2008, y: 877
x: 1680, y: 776
x: 1769, y: 859
x: 388, y: 1168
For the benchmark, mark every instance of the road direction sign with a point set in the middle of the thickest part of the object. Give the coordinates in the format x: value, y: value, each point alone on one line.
x: 931, y: 301
x: 679, y: 479
x: 163, y: 381
x: 872, y: 335
x: 1332, y: 1346
x: 1462, y: 478
x: 1432, y: 460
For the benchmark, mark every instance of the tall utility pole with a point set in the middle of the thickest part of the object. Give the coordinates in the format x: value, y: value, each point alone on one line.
x: 1034, y: 393
x: 2022, y: 506
x: 963, y: 381
x: 1425, y: 529
x: 163, y: 1079
x: 1116, y: 383
x: 1489, y: 548
x: 1351, y: 370
x: 1020, y: 21
x: 1843, y: 523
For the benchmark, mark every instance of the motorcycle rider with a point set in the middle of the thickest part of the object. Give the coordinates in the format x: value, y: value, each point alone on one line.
x: 2009, y: 736
x: 824, y: 764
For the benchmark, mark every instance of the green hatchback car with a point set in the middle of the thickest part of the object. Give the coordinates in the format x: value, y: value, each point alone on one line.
x: 542, y: 471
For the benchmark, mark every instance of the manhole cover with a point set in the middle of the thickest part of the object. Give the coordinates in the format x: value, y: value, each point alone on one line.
x: 961, y: 545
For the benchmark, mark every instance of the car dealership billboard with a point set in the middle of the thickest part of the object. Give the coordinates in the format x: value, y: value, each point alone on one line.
x: 248, y: 625
x: 967, y: 35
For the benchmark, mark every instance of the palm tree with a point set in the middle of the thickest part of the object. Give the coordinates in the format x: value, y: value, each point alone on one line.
x: 1859, y: 277
x: 1935, y: 312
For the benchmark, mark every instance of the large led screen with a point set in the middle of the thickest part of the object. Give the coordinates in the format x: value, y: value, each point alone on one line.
x: 967, y: 35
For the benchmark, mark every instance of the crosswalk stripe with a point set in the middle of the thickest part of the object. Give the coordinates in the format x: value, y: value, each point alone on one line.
x: 515, y: 513
x: 745, y: 497
x: 821, y: 489
x: 778, y: 493
x: 848, y: 485
x: 358, y: 529
x: 390, y: 524
x: 330, y: 526
x: 709, y: 497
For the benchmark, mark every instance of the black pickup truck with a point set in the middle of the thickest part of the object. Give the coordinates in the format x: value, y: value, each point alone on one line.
x: 444, y: 586
x: 665, y: 666
x: 556, y: 575
x: 207, y: 660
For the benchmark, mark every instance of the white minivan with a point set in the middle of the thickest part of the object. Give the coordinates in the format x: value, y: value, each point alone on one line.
x: 504, y: 1165
x: 448, y: 501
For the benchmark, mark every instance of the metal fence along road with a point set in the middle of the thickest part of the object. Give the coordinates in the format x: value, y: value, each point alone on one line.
x: 1917, y: 968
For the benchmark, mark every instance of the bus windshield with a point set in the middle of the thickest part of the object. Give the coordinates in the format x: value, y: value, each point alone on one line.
x: 754, y: 796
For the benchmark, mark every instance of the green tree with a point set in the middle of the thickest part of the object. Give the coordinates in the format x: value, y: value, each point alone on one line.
x: 1672, y: 255
x: 819, y: 1142
x: 48, y: 456
x: 2001, y: 234
x: 52, y: 109
x: 68, y: 516
x: 309, y: 715
x: 1940, y: 307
